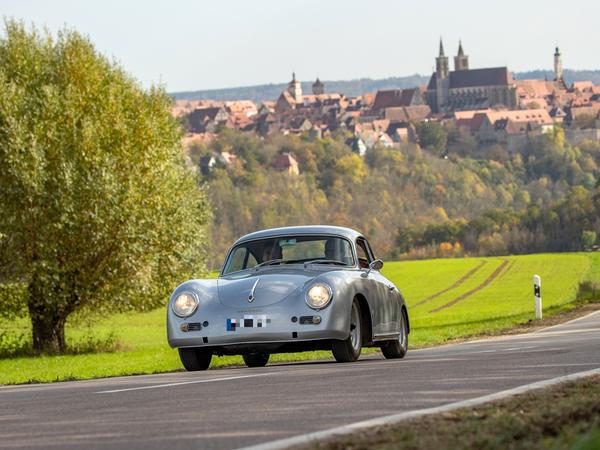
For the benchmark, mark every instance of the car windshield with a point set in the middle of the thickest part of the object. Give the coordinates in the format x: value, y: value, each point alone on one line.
x: 289, y: 250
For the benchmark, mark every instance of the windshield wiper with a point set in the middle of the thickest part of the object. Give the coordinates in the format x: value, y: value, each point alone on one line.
x: 268, y: 263
x: 325, y: 261
x: 277, y: 261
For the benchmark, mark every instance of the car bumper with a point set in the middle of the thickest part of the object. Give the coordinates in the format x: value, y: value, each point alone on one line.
x: 273, y: 324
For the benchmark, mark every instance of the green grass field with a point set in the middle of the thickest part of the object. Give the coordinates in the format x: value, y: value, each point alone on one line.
x: 447, y: 299
x: 488, y: 293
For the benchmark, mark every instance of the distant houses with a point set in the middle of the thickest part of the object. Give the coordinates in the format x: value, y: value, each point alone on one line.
x: 486, y: 103
x: 286, y: 162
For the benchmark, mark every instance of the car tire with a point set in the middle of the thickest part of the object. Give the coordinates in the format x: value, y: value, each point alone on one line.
x: 194, y: 359
x: 349, y: 349
x: 256, y: 359
x: 398, y: 347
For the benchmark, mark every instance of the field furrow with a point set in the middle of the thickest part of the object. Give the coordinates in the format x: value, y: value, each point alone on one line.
x: 459, y: 282
x: 487, y: 281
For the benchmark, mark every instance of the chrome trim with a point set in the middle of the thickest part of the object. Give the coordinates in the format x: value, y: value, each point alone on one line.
x: 251, y: 296
x: 328, y: 290
x: 352, y: 243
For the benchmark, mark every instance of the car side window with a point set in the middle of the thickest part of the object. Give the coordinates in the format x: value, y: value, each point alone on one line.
x: 370, y: 251
x: 237, y: 259
x: 363, y: 254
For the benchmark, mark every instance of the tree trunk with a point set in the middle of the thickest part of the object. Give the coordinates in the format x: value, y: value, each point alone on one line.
x: 48, y: 334
x: 47, y: 322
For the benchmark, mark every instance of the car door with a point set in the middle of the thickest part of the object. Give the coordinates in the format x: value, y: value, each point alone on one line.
x: 385, y: 308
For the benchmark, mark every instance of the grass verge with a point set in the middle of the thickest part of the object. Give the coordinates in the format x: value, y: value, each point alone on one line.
x: 128, y: 344
x: 566, y: 416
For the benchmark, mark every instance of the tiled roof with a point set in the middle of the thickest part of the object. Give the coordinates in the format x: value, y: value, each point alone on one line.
x: 494, y: 76
x: 473, y: 123
x: 583, y: 85
x: 468, y: 114
x: 202, y: 114
x: 394, y: 98
x: 536, y: 116
x: 535, y: 88
x: 284, y: 161
x: 407, y: 113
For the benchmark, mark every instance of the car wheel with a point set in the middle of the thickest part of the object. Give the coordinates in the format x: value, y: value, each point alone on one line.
x: 194, y: 359
x: 256, y: 359
x: 349, y: 349
x: 398, y: 347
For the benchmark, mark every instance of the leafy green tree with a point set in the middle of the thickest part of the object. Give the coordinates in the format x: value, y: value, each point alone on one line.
x: 588, y: 239
x: 432, y: 136
x: 98, y: 211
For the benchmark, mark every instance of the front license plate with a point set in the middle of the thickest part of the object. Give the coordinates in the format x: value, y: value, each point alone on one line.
x: 248, y: 322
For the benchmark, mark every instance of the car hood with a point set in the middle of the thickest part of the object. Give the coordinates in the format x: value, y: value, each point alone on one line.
x: 268, y: 288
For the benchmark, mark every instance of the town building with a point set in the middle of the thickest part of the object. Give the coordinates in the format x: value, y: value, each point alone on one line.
x: 466, y: 88
x: 286, y: 162
x: 318, y: 88
x: 204, y: 120
x: 487, y: 103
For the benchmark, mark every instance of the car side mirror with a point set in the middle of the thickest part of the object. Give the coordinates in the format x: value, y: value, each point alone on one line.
x: 376, y: 265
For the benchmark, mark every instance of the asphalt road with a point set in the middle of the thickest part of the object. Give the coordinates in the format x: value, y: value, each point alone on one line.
x: 231, y: 408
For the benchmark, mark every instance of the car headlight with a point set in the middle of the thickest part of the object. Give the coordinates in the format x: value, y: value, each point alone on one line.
x: 318, y: 296
x: 185, y: 304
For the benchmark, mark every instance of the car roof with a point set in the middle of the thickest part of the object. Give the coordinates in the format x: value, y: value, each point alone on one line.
x: 305, y: 229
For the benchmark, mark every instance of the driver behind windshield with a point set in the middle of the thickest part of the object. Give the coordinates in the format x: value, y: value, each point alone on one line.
x: 270, y: 251
x: 335, y: 250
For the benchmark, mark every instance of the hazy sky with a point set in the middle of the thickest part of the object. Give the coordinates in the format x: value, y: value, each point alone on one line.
x: 191, y: 45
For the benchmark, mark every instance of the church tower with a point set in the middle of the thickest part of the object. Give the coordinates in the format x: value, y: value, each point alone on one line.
x: 295, y: 89
x: 558, y: 70
x: 461, y: 61
x: 441, y: 63
x: 442, y: 80
x: 318, y: 88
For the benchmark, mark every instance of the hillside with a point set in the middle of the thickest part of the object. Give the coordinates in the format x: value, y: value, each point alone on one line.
x: 357, y: 87
x: 409, y: 201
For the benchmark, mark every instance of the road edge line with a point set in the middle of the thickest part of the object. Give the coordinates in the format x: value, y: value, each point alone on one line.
x: 183, y: 383
x: 396, y: 418
x: 576, y: 319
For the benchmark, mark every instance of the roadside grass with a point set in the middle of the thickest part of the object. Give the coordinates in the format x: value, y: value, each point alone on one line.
x: 127, y: 344
x: 505, y: 301
x: 566, y: 416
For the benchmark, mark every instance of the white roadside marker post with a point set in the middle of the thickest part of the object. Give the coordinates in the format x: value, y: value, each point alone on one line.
x: 537, y: 292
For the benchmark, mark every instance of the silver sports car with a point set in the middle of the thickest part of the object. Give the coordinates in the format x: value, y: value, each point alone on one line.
x: 288, y: 290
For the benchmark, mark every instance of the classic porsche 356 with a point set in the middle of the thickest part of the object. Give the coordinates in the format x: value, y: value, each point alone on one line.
x: 288, y: 290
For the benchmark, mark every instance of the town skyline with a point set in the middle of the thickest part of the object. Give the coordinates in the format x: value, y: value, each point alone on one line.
x: 187, y: 46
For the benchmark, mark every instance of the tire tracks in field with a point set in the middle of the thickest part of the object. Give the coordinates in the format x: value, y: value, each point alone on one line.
x: 460, y: 281
x: 467, y: 294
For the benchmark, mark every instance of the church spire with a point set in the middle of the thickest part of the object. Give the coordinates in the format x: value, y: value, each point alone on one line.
x: 558, y: 69
x: 318, y: 88
x: 461, y: 61
x: 441, y: 63
x: 295, y: 89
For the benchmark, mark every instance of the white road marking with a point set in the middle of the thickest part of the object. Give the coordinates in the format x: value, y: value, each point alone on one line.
x: 535, y: 366
x: 542, y: 330
x: 181, y: 383
x: 510, y: 337
x: 311, y: 438
x: 512, y: 349
x: 496, y: 350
